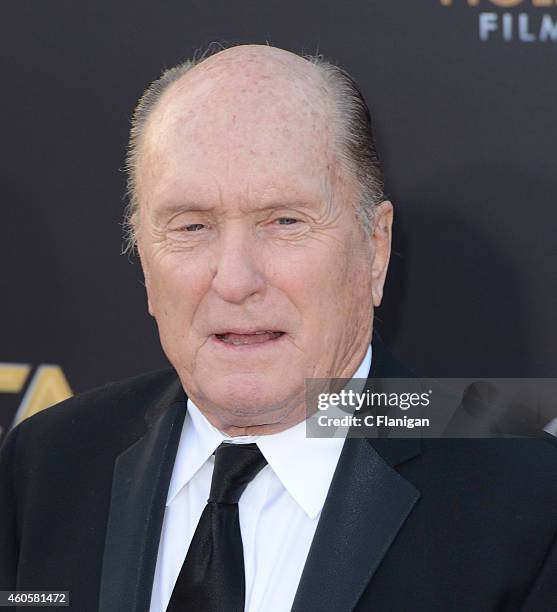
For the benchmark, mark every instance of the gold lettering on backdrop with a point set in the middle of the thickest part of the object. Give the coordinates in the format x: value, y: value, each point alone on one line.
x: 13, y: 376
x: 470, y: 2
x: 48, y: 386
x: 527, y: 26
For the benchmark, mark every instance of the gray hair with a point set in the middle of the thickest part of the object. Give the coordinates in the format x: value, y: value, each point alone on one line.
x: 356, y: 148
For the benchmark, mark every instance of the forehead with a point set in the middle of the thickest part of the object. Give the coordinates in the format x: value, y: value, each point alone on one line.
x: 262, y: 131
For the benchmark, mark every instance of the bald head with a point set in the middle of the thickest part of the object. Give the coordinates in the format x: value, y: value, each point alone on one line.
x: 240, y: 104
x: 255, y: 82
x: 269, y: 93
x: 257, y: 270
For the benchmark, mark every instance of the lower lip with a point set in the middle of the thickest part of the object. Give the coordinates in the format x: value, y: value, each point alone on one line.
x: 242, y: 348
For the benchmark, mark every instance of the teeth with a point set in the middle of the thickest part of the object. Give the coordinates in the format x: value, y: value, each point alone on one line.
x: 232, y: 338
x: 257, y: 333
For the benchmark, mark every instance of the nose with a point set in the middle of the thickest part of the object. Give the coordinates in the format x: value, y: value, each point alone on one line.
x: 238, y: 275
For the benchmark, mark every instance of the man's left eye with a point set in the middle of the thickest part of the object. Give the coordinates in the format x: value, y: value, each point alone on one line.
x: 287, y: 221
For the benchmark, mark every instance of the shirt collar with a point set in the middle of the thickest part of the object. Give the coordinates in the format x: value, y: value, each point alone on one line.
x: 305, y: 466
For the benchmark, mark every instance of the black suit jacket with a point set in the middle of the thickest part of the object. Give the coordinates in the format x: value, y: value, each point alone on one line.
x: 408, y: 524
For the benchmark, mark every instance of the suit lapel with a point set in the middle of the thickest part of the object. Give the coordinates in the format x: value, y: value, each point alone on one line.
x: 139, y: 488
x: 367, y: 504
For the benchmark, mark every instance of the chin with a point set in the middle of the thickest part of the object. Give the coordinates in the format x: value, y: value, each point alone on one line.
x: 245, y: 396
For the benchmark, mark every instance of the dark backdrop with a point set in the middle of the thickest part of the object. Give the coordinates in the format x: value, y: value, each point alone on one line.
x: 466, y: 132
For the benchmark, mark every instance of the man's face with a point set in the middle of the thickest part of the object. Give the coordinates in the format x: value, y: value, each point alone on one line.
x: 257, y: 270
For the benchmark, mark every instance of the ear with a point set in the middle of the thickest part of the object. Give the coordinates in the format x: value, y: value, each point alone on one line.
x: 381, y: 238
x: 147, y: 279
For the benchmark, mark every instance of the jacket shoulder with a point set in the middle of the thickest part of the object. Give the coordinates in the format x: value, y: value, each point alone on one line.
x: 118, y: 406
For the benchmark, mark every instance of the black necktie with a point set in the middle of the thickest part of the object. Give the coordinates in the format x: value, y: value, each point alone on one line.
x: 212, y: 577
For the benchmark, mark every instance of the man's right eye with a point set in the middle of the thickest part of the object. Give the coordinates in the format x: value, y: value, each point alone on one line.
x: 193, y: 227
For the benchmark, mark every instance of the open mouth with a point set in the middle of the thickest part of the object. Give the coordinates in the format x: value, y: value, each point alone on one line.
x: 257, y: 337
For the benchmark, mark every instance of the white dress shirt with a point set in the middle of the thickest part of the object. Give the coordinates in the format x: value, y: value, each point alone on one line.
x: 279, y: 509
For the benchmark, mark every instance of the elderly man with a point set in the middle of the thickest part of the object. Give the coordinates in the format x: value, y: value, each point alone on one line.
x: 257, y: 211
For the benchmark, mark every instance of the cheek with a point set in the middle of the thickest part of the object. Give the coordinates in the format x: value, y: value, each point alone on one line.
x: 340, y: 283
x: 299, y: 272
x: 313, y: 279
x: 175, y: 290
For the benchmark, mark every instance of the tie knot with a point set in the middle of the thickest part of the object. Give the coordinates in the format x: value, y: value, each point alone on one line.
x: 236, y: 465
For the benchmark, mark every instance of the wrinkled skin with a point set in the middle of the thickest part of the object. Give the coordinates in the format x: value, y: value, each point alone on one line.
x: 247, y: 222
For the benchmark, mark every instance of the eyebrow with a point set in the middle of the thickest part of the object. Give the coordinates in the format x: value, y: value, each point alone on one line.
x: 170, y: 210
